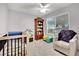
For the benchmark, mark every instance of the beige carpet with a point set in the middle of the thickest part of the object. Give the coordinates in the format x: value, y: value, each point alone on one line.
x: 41, y: 48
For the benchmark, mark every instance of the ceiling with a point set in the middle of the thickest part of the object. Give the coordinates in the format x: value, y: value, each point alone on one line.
x: 34, y: 8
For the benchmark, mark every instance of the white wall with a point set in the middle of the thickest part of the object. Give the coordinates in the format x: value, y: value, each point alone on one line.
x: 3, y: 18
x: 18, y: 21
x: 73, y: 9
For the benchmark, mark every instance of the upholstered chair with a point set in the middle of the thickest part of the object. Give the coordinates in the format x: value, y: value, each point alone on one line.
x: 67, y: 48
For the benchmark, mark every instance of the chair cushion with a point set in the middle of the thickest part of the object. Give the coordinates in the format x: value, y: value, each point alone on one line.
x: 62, y: 44
x: 66, y: 35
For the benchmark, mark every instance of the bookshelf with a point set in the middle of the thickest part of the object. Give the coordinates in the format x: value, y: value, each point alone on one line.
x: 39, y: 28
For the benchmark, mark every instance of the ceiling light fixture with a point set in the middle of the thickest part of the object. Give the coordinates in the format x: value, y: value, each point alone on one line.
x: 44, y: 8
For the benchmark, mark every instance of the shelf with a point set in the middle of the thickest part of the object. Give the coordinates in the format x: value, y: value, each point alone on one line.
x: 40, y: 24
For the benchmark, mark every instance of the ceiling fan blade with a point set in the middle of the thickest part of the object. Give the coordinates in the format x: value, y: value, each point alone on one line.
x: 47, y: 5
x: 44, y: 5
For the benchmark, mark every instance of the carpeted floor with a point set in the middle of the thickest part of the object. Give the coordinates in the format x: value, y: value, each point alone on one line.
x: 41, y: 48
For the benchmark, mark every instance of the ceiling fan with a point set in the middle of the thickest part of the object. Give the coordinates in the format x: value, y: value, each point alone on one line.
x: 44, y: 7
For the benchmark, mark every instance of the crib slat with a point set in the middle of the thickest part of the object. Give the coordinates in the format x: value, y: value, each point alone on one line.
x: 3, y: 51
x: 18, y: 46
x: 7, y: 47
x: 11, y: 47
x: 21, y: 46
x: 24, y: 45
x: 15, y: 46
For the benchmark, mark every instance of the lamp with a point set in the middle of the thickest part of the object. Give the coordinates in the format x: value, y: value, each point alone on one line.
x: 43, y: 10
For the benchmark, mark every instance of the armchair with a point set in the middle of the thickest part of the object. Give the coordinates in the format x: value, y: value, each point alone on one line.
x: 67, y: 48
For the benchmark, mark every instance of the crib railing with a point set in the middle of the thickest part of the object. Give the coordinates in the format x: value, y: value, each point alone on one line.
x: 15, y: 46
